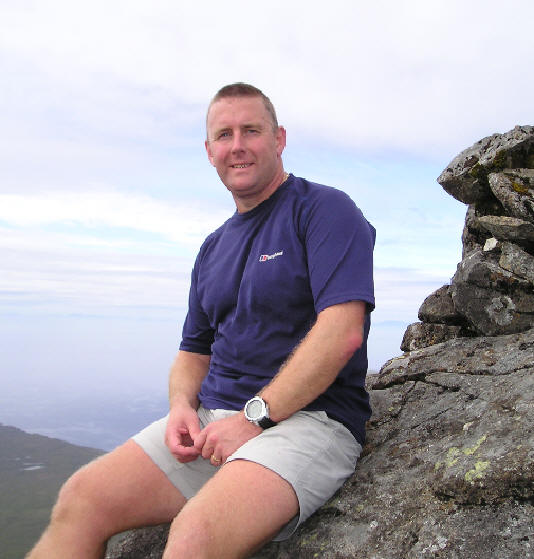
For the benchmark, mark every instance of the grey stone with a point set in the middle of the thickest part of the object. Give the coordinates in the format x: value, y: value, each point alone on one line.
x: 493, y: 300
x: 474, y: 235
x: 143, y: 543
x: 466, y: 176
x: 490, y: 244
x: 515, y: 191
x: 517, y: 261
x: 438, y: 307
x: 424, y: 334
x: 507, y: 228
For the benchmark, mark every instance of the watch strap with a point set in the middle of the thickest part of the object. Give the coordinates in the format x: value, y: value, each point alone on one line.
x: 266, y: 422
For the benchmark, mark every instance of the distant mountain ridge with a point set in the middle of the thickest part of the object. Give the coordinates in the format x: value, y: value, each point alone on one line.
x: 32, y: 469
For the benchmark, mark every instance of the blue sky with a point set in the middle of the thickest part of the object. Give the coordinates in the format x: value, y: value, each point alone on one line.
x: 106, y: 192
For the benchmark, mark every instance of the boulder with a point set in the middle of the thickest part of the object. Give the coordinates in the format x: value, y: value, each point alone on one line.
x: 515, y: 191
x: 466, y: 176
x: 474, y: 235
x: 493, y: 300
x: 438, y: 307
x: 506, y: 228
x: 424, y: 334
x: 517, y: 261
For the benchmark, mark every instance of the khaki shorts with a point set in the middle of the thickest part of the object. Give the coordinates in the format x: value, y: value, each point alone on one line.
x: 314, y: 453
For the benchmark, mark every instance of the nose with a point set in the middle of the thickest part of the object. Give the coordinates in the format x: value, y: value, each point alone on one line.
x: 238, y: 142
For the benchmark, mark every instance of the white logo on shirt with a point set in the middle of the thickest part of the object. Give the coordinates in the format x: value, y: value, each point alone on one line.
x: 265, y: 257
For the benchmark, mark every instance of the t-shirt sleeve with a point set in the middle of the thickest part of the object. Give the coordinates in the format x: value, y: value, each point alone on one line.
x: 339, y: 244
x: 197, y: 333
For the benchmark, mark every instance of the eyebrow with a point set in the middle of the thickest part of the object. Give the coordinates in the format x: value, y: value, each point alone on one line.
x: 248, y: 126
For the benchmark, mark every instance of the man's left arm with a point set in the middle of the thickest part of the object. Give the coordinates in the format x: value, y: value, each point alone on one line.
x: 317, y: 360
x: 309, y: 371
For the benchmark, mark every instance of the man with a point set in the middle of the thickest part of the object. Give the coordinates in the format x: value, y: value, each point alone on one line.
x: 267, y: 398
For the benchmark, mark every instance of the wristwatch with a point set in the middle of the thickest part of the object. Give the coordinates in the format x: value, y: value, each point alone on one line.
x: 257, y: 412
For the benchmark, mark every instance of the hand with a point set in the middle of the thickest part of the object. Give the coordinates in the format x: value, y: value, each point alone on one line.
x: 223, y: 437
x: 182, y: 428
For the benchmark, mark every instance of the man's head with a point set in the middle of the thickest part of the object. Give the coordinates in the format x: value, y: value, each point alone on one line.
x: 245, y: 144
x: 240, y: 89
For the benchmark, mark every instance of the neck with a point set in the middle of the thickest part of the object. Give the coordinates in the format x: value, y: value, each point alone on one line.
x: 246, y: 203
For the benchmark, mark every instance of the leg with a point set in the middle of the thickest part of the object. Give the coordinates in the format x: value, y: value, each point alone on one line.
x: 123, y: 489
x: 242, y: 507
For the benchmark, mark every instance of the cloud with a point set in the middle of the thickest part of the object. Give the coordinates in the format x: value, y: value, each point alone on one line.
x: 186, y: 224
x: 409, y: 76
x: 99, y: 252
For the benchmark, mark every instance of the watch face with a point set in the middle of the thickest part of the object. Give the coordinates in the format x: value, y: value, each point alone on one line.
x: 255, y: 409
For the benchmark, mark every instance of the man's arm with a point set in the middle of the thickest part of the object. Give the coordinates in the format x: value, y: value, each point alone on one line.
x: 186, y: 376
x: 309, y: 371
x: 317, y: 360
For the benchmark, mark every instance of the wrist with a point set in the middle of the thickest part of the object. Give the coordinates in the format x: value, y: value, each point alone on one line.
x: 256, y: 411
x: 180, y: 400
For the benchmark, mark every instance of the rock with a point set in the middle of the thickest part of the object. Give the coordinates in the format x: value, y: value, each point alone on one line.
x: 507, y: 228
x: 515, y: 191
x: 466, y: 176
x: 474, y: 235
x: 438, y: 307
x: 491, y: 244
x: 423, y: 334
x: 144, y: 543
x: 517, y: 261
x: 493, y: 300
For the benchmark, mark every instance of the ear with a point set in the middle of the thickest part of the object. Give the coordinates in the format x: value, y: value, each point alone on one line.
x: 208, y: 151
x: 280, y: 140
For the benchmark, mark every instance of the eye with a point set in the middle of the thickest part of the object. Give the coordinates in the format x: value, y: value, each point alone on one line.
x: 223, y: 135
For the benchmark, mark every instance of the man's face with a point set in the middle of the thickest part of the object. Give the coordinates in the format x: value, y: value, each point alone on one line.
x: 244, y: 148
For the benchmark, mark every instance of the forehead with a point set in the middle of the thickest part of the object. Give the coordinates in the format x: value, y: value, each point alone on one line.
x: 237, y: 111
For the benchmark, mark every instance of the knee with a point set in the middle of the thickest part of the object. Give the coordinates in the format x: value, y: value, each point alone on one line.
x: 78, y: 498
x: 189, y: 538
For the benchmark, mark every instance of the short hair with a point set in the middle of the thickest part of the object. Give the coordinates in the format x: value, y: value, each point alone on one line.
x: 240, y: 89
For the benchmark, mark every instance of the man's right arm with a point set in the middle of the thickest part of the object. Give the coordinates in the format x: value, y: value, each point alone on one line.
x: 186, y: 376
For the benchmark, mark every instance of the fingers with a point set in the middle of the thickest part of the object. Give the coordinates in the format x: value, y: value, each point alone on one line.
x: 199, y: 443
x: 206, y: 443
x: 215, y: 461
x: 182, y: 426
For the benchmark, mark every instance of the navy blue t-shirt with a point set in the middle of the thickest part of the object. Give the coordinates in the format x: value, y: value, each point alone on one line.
x: 259, y: 282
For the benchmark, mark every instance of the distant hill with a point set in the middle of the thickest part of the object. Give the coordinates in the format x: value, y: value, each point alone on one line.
x: 32, y: 469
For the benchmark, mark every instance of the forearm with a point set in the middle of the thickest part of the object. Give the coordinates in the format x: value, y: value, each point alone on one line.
x: 186, y: 376
x: 317, y: 360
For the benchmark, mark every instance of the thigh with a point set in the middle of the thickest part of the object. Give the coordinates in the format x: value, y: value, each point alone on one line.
x: 243, y: 506
x: 314, y: 453
x: 124, y: 489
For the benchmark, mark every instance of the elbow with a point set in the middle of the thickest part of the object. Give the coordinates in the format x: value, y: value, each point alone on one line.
x: 352, y: 343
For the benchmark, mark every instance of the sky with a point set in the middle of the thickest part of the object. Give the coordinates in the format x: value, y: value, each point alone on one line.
x: 106, y: 192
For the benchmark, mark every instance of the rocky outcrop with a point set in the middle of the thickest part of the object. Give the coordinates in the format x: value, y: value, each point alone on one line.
x: 492, y: 291
x: 448, y: 467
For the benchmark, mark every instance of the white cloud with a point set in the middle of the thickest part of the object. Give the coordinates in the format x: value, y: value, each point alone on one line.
x: 185, y: 224
x: 99, y: 252
x: 428, y: 77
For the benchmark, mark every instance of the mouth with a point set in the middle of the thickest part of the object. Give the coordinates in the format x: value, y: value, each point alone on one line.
x: 241, y: 165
